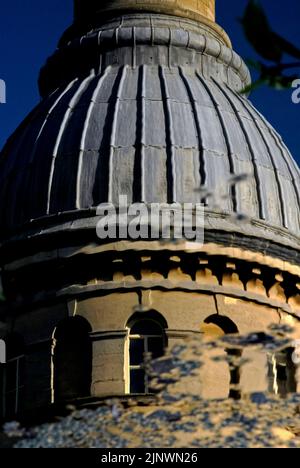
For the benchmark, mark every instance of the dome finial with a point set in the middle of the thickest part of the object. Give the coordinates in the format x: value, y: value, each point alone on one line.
x: 193, y: 9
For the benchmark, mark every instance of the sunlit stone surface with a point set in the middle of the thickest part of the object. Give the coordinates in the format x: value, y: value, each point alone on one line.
x: 143, y: 99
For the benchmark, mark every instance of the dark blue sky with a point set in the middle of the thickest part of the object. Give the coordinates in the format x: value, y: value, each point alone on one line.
x: 29, y: 31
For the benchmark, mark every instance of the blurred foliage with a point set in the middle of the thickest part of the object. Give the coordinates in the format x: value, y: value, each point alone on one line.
x: 272, y: 49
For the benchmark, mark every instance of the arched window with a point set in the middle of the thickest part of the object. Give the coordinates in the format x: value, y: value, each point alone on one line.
x: 225, y: 326
x: 12, y: 377
x: 72, y: 359
x: 282, y: 373
x: 147, y: 339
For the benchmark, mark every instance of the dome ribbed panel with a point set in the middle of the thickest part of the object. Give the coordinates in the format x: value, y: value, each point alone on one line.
x: 277, y: 175
x: 155, y: 134
x: 17, y: 162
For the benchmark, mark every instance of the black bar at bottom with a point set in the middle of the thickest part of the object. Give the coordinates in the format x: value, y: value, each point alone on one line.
x: 113, y: 457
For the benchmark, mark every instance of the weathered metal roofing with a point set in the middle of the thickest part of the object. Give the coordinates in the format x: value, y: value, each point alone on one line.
x: 155, y: 133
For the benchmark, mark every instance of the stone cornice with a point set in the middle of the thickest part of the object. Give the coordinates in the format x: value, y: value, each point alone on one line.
x: 79, y: 229
x: 212, y: 270
x: 200, y: 11
x: 142, y: 34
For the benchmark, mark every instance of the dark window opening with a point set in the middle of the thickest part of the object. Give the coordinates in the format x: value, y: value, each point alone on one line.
x: 228, y: 327
x: 147, y: 340
x: 72, y: 359
x: 12, y: 378
x: 282, y: 373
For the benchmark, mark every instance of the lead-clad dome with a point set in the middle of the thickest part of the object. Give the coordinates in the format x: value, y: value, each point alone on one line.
x: 147, y: 106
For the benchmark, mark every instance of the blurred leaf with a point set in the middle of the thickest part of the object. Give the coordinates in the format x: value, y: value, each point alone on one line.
x: 253, y: 86
x: 259, y: 33
x: 270, y: 46
x: 288, y: 47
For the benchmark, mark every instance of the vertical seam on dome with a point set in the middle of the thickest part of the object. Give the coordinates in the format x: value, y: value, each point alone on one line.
x: 262, y: 214
x: 47, y: 118
x: 286, y: 160
x: 139, y: 170
x: 280, y: 194
x: 10, y: 176
x: 84, y: 135
x: 134, y: 47
x: 227, y: 140
x: 101, y: 182
x: 276, y: 172
x: 170, y: 47
x: 171, y: 174
x: 198, y: 128
x: 19, y: 134
x: 60, y: 135
x: 289, y: 164
x: 293, y: 162
x: 101, y: 60
x: 114, y: 132
x: 23, y: 131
